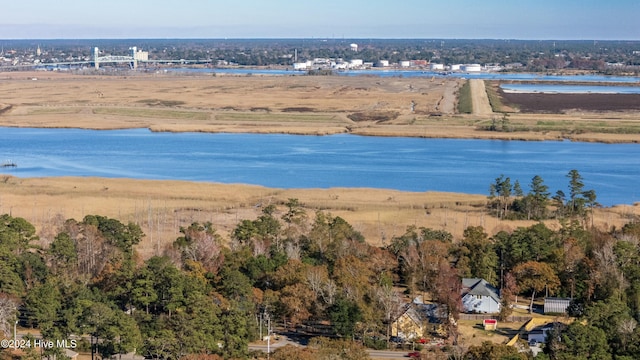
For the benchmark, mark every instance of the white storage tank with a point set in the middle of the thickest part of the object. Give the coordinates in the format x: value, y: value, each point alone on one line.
x: 472, y: 68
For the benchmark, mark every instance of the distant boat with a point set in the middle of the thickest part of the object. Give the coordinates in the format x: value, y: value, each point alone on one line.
x: 9, y: 163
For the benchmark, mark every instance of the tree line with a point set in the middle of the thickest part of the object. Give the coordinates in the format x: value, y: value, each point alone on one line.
x: 508, y: 201
x: 207, y: 296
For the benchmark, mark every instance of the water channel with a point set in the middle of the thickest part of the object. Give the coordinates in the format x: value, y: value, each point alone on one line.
x: 292, y: 161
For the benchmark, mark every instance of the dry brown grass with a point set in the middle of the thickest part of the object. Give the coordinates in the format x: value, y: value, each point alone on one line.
x: 278, y: 104
x: 162, y: 207
x: 293, y: 104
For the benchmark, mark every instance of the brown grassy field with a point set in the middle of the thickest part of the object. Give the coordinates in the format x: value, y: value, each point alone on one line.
x: 166, y: 102
x: 162, y: 207
x: 269, y: 104
x: 315, y: 105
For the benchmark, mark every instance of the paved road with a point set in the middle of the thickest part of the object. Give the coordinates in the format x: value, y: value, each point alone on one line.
x: 284, y: 340
x: 387, y: 354
x: 479, y: 98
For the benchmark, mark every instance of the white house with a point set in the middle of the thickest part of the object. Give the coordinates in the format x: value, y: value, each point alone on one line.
x: 478, y: 296
x: 539, y: 334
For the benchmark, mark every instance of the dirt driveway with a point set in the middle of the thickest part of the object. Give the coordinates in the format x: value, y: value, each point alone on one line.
x: 479, y: 98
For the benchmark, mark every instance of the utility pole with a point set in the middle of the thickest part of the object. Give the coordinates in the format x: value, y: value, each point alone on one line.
x: 268, y: 336
x: 260, y: 323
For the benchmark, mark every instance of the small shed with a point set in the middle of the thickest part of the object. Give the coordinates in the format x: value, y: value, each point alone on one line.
x: 490, y: 324
x: 555, y: 305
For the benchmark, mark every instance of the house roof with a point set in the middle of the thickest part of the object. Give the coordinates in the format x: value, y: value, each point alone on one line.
x: 477, y: 286
x: 557, y: 300
x: 419, y: 313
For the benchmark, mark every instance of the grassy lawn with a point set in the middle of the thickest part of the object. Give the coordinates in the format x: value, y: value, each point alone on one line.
x: 473, y: 333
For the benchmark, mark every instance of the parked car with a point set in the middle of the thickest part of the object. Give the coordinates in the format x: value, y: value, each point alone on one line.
x: 414, y: 355
x: 533, y: 342
x: 396, y: 339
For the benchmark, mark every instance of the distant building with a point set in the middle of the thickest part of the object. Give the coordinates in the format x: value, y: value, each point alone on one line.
x: 405, y: 63
x: 419, y: 62
x: 356, y: 63
x: 141, y: 55
x: 383, y: 63
x: 302, y: 65
x: 437, y: 67
x: 472, y: 68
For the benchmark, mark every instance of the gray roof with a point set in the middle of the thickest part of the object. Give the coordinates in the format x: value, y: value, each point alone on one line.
x: 419, y: 313
x: 477, y: 286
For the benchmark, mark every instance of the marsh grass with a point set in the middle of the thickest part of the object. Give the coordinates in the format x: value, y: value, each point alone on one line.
x: 162, y: 207
x: 465, y: 104
x: 279, y: 117
x: 152, y: 113
x: 54, y: 110
x: 494, y: 98
x: 160, y: 102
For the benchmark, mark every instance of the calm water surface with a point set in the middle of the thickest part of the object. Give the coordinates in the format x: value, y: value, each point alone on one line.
x: 425, y: 73
x: 290, y: 161
x: 570, y: 89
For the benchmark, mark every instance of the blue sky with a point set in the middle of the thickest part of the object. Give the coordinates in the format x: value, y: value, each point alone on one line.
x: 512, y: 19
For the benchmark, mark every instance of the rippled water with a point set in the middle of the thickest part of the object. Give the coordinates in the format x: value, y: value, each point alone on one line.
x: 290, y: 161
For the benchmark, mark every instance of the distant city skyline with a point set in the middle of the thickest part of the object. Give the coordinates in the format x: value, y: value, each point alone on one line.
x: 495, y: 19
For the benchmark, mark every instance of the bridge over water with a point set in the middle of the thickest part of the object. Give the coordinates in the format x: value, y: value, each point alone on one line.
x: 133, y: 60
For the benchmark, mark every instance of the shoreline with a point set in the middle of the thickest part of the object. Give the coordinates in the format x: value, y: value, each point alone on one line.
x: 301, y: 105
x: 461, y: 134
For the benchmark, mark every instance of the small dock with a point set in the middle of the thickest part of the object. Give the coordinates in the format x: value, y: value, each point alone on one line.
x: 8, y: 163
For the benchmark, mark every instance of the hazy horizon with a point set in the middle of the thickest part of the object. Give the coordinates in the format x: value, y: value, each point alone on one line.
x: 331, y: 19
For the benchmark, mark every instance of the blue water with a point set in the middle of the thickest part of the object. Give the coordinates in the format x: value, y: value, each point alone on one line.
x: 429, y: 74
x: 291, y: 161
x: 571, y: 89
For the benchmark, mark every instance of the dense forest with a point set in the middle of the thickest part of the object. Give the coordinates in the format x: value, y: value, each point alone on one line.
x: 208, y: 297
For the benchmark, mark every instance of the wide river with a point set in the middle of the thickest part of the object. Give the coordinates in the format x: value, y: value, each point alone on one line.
x: 290, y: 161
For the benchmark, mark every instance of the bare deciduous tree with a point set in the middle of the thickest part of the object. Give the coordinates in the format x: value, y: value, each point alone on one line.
x: 8, y: 312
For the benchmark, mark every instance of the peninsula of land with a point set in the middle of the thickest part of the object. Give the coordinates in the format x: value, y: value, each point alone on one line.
x: 313, y: 105
x: 310, y: 105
